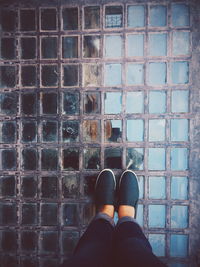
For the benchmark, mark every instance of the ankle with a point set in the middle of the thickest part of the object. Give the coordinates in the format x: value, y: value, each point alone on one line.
x: 125, y: 210
x: 107, y: 209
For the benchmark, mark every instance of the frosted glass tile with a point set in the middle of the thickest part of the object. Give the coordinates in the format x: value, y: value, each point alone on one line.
x: 156, y: 159
x: 136, y: 16
x: 157, y: 242
x: 139, y: 216
x: 135, y: 130
x: 179, y: 188
x: 180, y: 101
x: 135, y: 158
x: 134, y: 102
x: 111, y: 98
x: 181, y: 43
x: 180, y: 15
x: 179, y: 216
x: 135, y: 74
x: 179, y: 159
x: 158, y: 44
x: 135, y: 44
x: 113, y: 74
x: 158, y: 16
x: 157, y: 187
x: 156, y: 130
x: 157, y: 214
x: 180, y: 72
x: 141, y: 186
x: 179, y: 130
x: 157, y: 73
x: 113, y: 46
x: 157, y: 102
x: 179, y: 246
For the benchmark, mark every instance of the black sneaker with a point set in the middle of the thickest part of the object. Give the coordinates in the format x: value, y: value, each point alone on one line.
x: 129, y: 189
x: 105, y: 188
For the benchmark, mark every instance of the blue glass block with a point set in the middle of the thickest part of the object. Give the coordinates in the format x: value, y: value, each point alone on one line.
x: 136, y: 16
x: 157, y: 102
x: 157, y: 73
x: 139, y: 216
x: 113, y: 46
x: 179, y: 246
x: 158, y: 16
x: 141, y: 186
x: 179, y: 188
x: 135, y: 130
x: 157, y: 242
x: 157, y: 214
x: 179, y: 216
x: 156, y: 130
x: 135, y: 45
x: 135, y: 158
x: 135, y: 74
x: 180, y: 72
x: 111, y: 98
x: 113, y: 74
x: 180, y: 15
x: 180, y: 101
x: 181, y: 43
x: 157, y: 187
x: 134, y: 102
x: 156, y: 159
x: 158, y: 44
x: 179, y: 159
x: 179, y: 130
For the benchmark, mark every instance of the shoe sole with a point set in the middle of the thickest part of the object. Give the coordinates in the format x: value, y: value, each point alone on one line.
x: 101, y: 173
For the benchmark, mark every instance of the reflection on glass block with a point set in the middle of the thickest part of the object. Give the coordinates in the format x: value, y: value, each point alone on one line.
x: 29, y: 214
x: 70, y: 75
x: 91, y: 46
x: 49, y: 74
x: 91, y: 158
x: 157, y: 242
x: 70, y: 214
x: 157, y: 73
x: 49, y: 47
x: 135, y: 44
x: 156, y: 130
x: 179, y: 130
x: 8, y: 50
x: 179, y: 159
x: 157, y: 214
x: 49, y: 187
x: 113, y: 130
x: 49, y: 214
x: 49, y: 242
x: 8, y: 132
x: 71, y: 159
x: 49, y: 131
x: 158, y: 16
x: 113, y: 46
x: 91, y: 131
x: 7, y: 186
x: 157, y: 187
x: 8, y: 103
x: 29, y: 158
x: 111, y: 98
x: 135, y: 158
x: 27, y: 20
x: 70, y: 186
x: 136, y: 16
x: 29, y: 186
x: 134, y: 102
x: 49, y: 159
x: 71, y: 103
x: 114, y: 16
x: 9, y: 159
x: 28, y: 48
x: 179, y: 216
x: 29, y: 132
x: 179, y: 246
x: 135, y: 74
x: 113, y: 158
x: 49, y: 103
x: 139, y: 216
x: 48, y: 19
x: 156, y: 159
x: 28, y: 75
x: 91, y: 17
x: 180, y: 72
x: 135, y: 130
x: 158, y: 44
x: 180, y: 15
x: 8, y: 20
x: 92, y: 75
x: 180, y: 101
x: 7, y: 77
x: 113, y: 74
x: 70, y: 47
x: 70, y: 18
x: 91, y: 103
x: 157, y: 102
x: 179, y: 188
x: 70, y: 131
x: 141, y: 186
x: 181, y: 43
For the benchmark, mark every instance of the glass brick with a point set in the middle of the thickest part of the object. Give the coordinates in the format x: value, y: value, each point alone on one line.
x: 156, y: 130
x: 156, y: 159
x: 70, y: 186
x: 91, y: 158
x: 113, y: 74
x: 28, y: 186
x: 70, y: 18
x: 91, y: 103
x: 27, y: 261
x: 27, y: 20
x: 28, y: 104
x: 136, y: 16
x: 8, y: 132
x: 179, y: 130
x: 135, y: 74
x: 8, y: 50
x: 28, y: 48
x: 8, y: 20
x: 71, y: 159
x: 179, y: 159
x: 49, y: 75
x: 8, y: 214
x: 157, y: 102
x: 9, y: 159
x: 135, y: 43
x: 49, y: 47
x: 89, y: 185
x: 88, y: 213
x: 91, y: 75
x: 49, y: 262
x: 7, y: 76
x: 135, y: 102
x: 140, y: 214
x: 8, y: 103
x: 114, y: 17
x: 49, y: 159
x: 49, y: 242
x: 70, y: 214
x: 91, y: 131
x: 158, y: 44
x: 29, y: 158
x: 29, y: 214
x: 28, y: 241
x: 49, y: 187
x: 113, y: 46
x: 70, y: 47
x: 179, y: 188
x: 158, y: 16
x: 180, y: 101
x: 179, y: 246
x: 157, y: 73
x: 109, y: 99
x: 49, y: 214
x: 180, y: 15
x: 157, y: 242
x: 91, y: 17
x: 135, y: 158
x: 70, y: 131
x: 9, y: 241
x: 179, y: 216
x: 49, y: 103
x: 49, y: 131
x: 181, y: 43
x: 135, y: 130
x: 69, y: 241
x: 71, y: 103
x: 113, y: 158
x: 180, y: 72
x: 7, y: 186
x: 157, y: 214
x: 48, y: 19
x: 91, y: 46
x: 28, y: 76
x: 70, y: 75
x: 157, y: 187
x: 29, y: 131
x: 141, y: 186
x: 9, y: 261
x: 113, y: 130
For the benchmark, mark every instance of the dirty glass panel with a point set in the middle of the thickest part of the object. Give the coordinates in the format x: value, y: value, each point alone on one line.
x: 179, y: 216
x: 70, y: 214
x: 179, y: 130
x: 29, y: 214
x: 92, y: 17
x: 180, y: 101
x: 91, y: 158
x: 28, y: 48
x: 135, y: 74
x: 69, y: 241
x: 49, y: 103
x: 157, y: 242
x: 8, y: 159
x: 49, y: 75
x: 156, y: 159
x: 7, y: 186
x: 179, y: 159
x: 8, y: 20
x: 49, y: 187
x: 157, y: 187
x: 113, y: 158
x: 49, y: 159
x: 49, y: 131
x: 136, y: 16
x: 49, y: 214
x: 140, y: 214
x: 157, y: 215
x: 91, y: 131
x: 91, y: 46
x: 157, y: 102
x: 49, y: 47
x: 114, y: 16
x: 71, y: 159
x: 29, y: 159
x: 70, y: 131
x: 8, y: 132
x: 135, y: 43
x: 70, y: 186
x: 135, y: 130
x: 113, y: 130
x: 113, y: 46
x: 70, y: 47
x: 113, y: 74
x: 180, y: 15
x: 27, y: 20
x: 70, y: 75
x: 157, y: 73
x: 141, y: 186
x: 70, y: 18
x: 158, y: 44
x: 8, y: 103
x: 179, y: 187
x: 49, y: 241
x: 48, y: 19
x: 134, y: 102
x: 29, y: 131
x: 156, y: 130
x: 180, y: 72
x: 7, y: 76
x: 158, y: 16
x: 135, y: 158
x: 111, y: 98
x: 179, y: 246
x: 91, y: 103
x: 92, y: 75
x: 181, y: 43
x: 71, y: 103
x: 8, y: 50
x: 28, y: 104
x: 29, y: 186
x: 28, y: 76
x: 11, y: 209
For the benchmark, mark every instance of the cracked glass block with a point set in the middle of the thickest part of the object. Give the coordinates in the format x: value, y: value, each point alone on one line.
x: 70, y: 186
x: 28, y: 48
x: 157, y: 73
x: 69, y: 241
x: 158, y: 44
x: 180, y: 15
x: 70, y: 75
x: 113, y: 158
x: 113, y: 130
x: 91, y: 17
x: 91, y: 46
x: 8, y: 50
x: 135, y: 102
x: 28, y: 103
x: 113, y: 74
x: 135, y: 43
x: 49, y: 242
x: 140, y: 215
x: 179, y: 187
x: 70, y: 18
x: 70, y: 214
x: 136, y: 16
x: 70, y: 47
x: 49, y: 47
x: 91, y: 75
x: 135, y: 130
x: 91, y: 158
x: 29, y: 131
x: 91, y: 103
x: 157, y: 102
x: 29, y: 186
x: 179, y: 159
x: 71, y: 159
x: 113, y: 46
x: 179, y: 216
x: 29, y: 158
x: 181, y: 43
x: 49, y: 159
x: 91, y: 130
x: 8, y: 214
x: 49, y: 103
x: 49, y: 75
x: 135, y: 74
x: 71, y: 103
x: 158, y: 16
x: 49, y: 213
x: 114, y: 16
x: 7, y: 186
x: 27, y: 20
x: 180, y: 101
x: 8, y: 20
x: 8, y: 103
x: 179, y: 246
x: 9, y: 159
x: 156, y: 159
x: 49, y: 131
x: 156, y: 130
x: 48, y: 19
x: 28, y: 76
x: 157, y: 187
x: 135, y: 158
x: 109, y: 99
x: 179, y: 130
x: 157, y: 216
x: 8, y: 132
x: 49, y: 187
x: 9, y: 241
x: 7, y: 76
x: 180, y: 72
x: 29, y: 241
x: 29, y: 214
x: 157, y: 242
x: 70, y: 131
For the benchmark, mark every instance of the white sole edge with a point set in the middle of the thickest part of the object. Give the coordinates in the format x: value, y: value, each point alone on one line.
x: 101, y: 173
